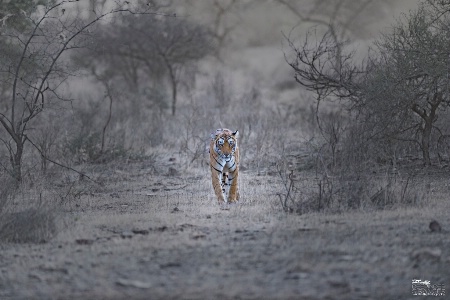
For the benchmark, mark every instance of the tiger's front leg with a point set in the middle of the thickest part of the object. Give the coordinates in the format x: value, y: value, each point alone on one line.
x: 217, y: 184
x: 234, y: 188
x: 233, y: 167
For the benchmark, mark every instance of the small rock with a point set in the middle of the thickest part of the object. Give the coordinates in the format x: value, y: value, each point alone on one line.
x: 114, y: 195
x: 162, y: 228
x: 134, y: 283
x: 127, y: 235
x: 347, y: 258
x: 170, y: 265
x: 435, y: 226
x: 296, y: 276
x: 182, y: 227
x: 198, y: 235
x: 84, y: 241
x: 176, y: 209
x: 140, y: 231
x: 53, y: 268
x: 338, y: 283
x: 173, y: 172
x: 35, y: 276
x: 427, y: 254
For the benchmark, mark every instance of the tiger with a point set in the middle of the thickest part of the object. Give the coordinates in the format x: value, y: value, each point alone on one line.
x: 224, y: 163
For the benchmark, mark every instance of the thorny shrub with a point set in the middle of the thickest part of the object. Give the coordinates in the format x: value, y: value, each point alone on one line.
x: 340, y: 180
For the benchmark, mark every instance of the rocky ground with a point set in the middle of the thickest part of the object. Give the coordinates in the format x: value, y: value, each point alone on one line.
x: 144, y: 236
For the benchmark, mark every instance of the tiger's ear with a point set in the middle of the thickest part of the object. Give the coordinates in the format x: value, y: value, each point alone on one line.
x: 236, y: 134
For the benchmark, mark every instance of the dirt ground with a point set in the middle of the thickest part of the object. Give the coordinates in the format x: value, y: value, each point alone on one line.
x: 144, y: 236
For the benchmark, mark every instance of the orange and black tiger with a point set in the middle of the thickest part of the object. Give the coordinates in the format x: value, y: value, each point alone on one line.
x: 224, y: 163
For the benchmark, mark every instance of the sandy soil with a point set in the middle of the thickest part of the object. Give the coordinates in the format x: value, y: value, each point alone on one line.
x: 144, y: 236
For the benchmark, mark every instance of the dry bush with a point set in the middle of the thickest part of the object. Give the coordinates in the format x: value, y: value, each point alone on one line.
x: 82, y: 141
x: 302, y: 192
x: 131, y: 127
x: 193, y: 139
x: 46, y: 141
x: 35, y: 210
x: 441, y: 139
x: 7, y: 189
x: 343, y: 169
x: 33, y: 225
x: 397, y: 113
x: 28, y: 214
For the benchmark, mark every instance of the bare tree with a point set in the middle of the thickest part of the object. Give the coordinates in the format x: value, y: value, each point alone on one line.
x: 148, y: 51
x: 341, y: 19
x: 221, y: 27
x: 34, y: 68
x: 225, y: 19
x: 402, y: 86
x: 410, y: 75
x: 15, y: 13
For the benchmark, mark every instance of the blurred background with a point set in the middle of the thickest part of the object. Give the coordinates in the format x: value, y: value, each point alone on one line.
x: 138, y: 85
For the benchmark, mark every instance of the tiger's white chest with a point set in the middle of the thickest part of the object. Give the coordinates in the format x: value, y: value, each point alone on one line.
x: 231, y: 164
x: 222, y: 164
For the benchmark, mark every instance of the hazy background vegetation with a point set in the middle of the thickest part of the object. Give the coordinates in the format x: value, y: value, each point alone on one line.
x: 150, y: 80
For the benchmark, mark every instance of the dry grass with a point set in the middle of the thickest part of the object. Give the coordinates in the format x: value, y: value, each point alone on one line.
x: 33, y: 225
x: 31, y: 212
x: 165, y: 235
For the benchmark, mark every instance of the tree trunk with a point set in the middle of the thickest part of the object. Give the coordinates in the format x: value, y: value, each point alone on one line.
x: 427, y: 128
x: 428, y: 120
x: 16, y: 161
x: 426, y: 136
x: 173, y: 81
x: 108, y: 92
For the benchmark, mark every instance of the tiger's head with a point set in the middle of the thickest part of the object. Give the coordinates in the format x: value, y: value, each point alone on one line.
x: 225, y: 143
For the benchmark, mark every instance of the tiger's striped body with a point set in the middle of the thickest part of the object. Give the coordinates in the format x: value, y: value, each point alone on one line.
x: 224, y: 164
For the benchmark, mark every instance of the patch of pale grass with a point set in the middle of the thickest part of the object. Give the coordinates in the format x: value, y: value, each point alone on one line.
x: 33, y: 225
x: 30, y: 215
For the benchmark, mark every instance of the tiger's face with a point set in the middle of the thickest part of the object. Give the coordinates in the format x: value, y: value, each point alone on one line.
x: 226, y: 144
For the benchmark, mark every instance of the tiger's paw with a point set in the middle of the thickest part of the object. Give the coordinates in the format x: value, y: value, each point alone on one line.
x: 233, y: 201
x: 221, y: 200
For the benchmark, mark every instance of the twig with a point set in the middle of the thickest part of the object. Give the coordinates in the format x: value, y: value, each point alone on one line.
x: 59, y: 164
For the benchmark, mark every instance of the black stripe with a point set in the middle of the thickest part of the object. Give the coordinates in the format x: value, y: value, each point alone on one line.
x: 218, y: 162
x: 233, y: 165
x: 216, y: 169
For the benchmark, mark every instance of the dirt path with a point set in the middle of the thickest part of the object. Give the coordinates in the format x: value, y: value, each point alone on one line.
x: 165, y: 238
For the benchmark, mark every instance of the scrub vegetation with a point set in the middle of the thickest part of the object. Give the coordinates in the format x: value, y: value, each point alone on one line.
x: 106, y: 110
